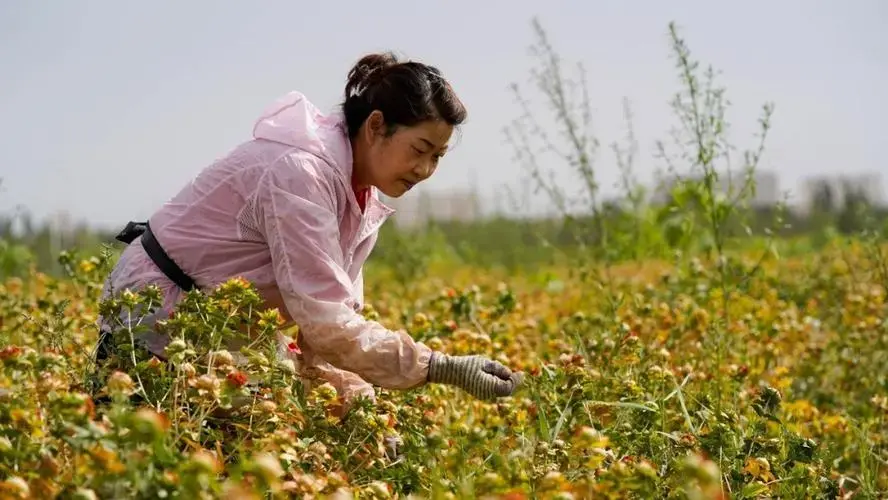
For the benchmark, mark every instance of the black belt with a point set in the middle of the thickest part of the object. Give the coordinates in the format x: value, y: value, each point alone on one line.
x: 169, y: 267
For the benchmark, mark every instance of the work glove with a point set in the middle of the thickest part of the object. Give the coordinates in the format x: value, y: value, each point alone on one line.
x: 393, y: 444
x: 481, y: 377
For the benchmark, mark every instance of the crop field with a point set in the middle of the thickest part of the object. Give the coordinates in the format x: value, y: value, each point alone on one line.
x: 687, y: 350
x: 654, y: 379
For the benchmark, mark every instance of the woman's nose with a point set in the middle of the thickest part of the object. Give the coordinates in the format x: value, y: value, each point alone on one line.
x: 424, y: 170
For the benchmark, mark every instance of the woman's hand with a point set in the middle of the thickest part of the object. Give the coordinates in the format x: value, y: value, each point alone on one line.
x: 481, y: 377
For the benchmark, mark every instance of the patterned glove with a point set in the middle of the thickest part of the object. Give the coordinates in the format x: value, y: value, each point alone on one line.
x: 481, y: 377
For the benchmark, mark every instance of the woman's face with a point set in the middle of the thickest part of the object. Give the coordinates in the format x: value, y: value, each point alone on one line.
x: 396, y: 163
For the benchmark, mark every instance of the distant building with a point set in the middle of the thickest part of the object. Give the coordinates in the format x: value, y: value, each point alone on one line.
x: 415, y: 209
x: 767, y: 187
x: 830, y: 191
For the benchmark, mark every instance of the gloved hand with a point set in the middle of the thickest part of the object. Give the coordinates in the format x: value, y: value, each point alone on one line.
x: 481, y: 377
x: 393, y: 443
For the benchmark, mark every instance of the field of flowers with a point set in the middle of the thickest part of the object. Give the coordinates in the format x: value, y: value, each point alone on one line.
x: 646, y: 380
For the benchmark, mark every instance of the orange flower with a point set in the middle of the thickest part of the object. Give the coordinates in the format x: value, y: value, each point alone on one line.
x: 236, y: 378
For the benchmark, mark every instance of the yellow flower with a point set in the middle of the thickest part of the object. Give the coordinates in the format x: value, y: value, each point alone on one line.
x: 758, y: 468
x: 87, y: 266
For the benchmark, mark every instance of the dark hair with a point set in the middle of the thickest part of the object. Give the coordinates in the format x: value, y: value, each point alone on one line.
x: 406, y: 93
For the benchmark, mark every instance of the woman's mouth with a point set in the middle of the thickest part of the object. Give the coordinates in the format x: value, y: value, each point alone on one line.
x: 408, y: 183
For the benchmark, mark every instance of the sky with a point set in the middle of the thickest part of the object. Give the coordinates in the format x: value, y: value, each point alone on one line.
x: 108, y: 108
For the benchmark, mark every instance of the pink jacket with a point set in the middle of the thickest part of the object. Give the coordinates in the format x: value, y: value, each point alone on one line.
x: 280, y: 211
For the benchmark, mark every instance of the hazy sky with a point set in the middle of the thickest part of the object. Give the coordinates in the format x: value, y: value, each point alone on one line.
x: 107, y: 108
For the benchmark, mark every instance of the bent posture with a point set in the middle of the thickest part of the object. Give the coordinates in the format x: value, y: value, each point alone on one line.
x: 296, y: 212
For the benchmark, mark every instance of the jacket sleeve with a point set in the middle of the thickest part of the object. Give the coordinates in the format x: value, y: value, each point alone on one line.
x: 359, y: 291
x: 348, y: 385
x: 296, y: 212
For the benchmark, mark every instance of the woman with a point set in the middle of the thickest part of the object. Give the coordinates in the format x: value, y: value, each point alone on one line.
x: 296, y: 212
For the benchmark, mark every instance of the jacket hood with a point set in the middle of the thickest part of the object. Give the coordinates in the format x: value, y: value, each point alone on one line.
x: 293, y: 120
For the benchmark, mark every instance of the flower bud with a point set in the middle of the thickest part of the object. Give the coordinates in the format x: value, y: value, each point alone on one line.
x: 120, y: 384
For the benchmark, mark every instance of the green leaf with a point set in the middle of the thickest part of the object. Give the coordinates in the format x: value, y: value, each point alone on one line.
x: 675, y: 231
x: 753, y: 490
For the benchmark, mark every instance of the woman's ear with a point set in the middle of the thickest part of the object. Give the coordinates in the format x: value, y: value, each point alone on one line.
x: 375, y: 125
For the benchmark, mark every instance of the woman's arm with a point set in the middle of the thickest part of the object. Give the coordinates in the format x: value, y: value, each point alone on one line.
x: 296, y: 212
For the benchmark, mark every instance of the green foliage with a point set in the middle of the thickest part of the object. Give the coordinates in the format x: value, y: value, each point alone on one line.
x: 624, y: 397
x: 15, y: 259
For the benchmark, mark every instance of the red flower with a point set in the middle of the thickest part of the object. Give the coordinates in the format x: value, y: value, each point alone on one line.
x: 10, y: 351
x: 237, y: 378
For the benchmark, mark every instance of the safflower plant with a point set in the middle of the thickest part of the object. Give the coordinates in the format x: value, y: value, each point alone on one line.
x: 624, y: 402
